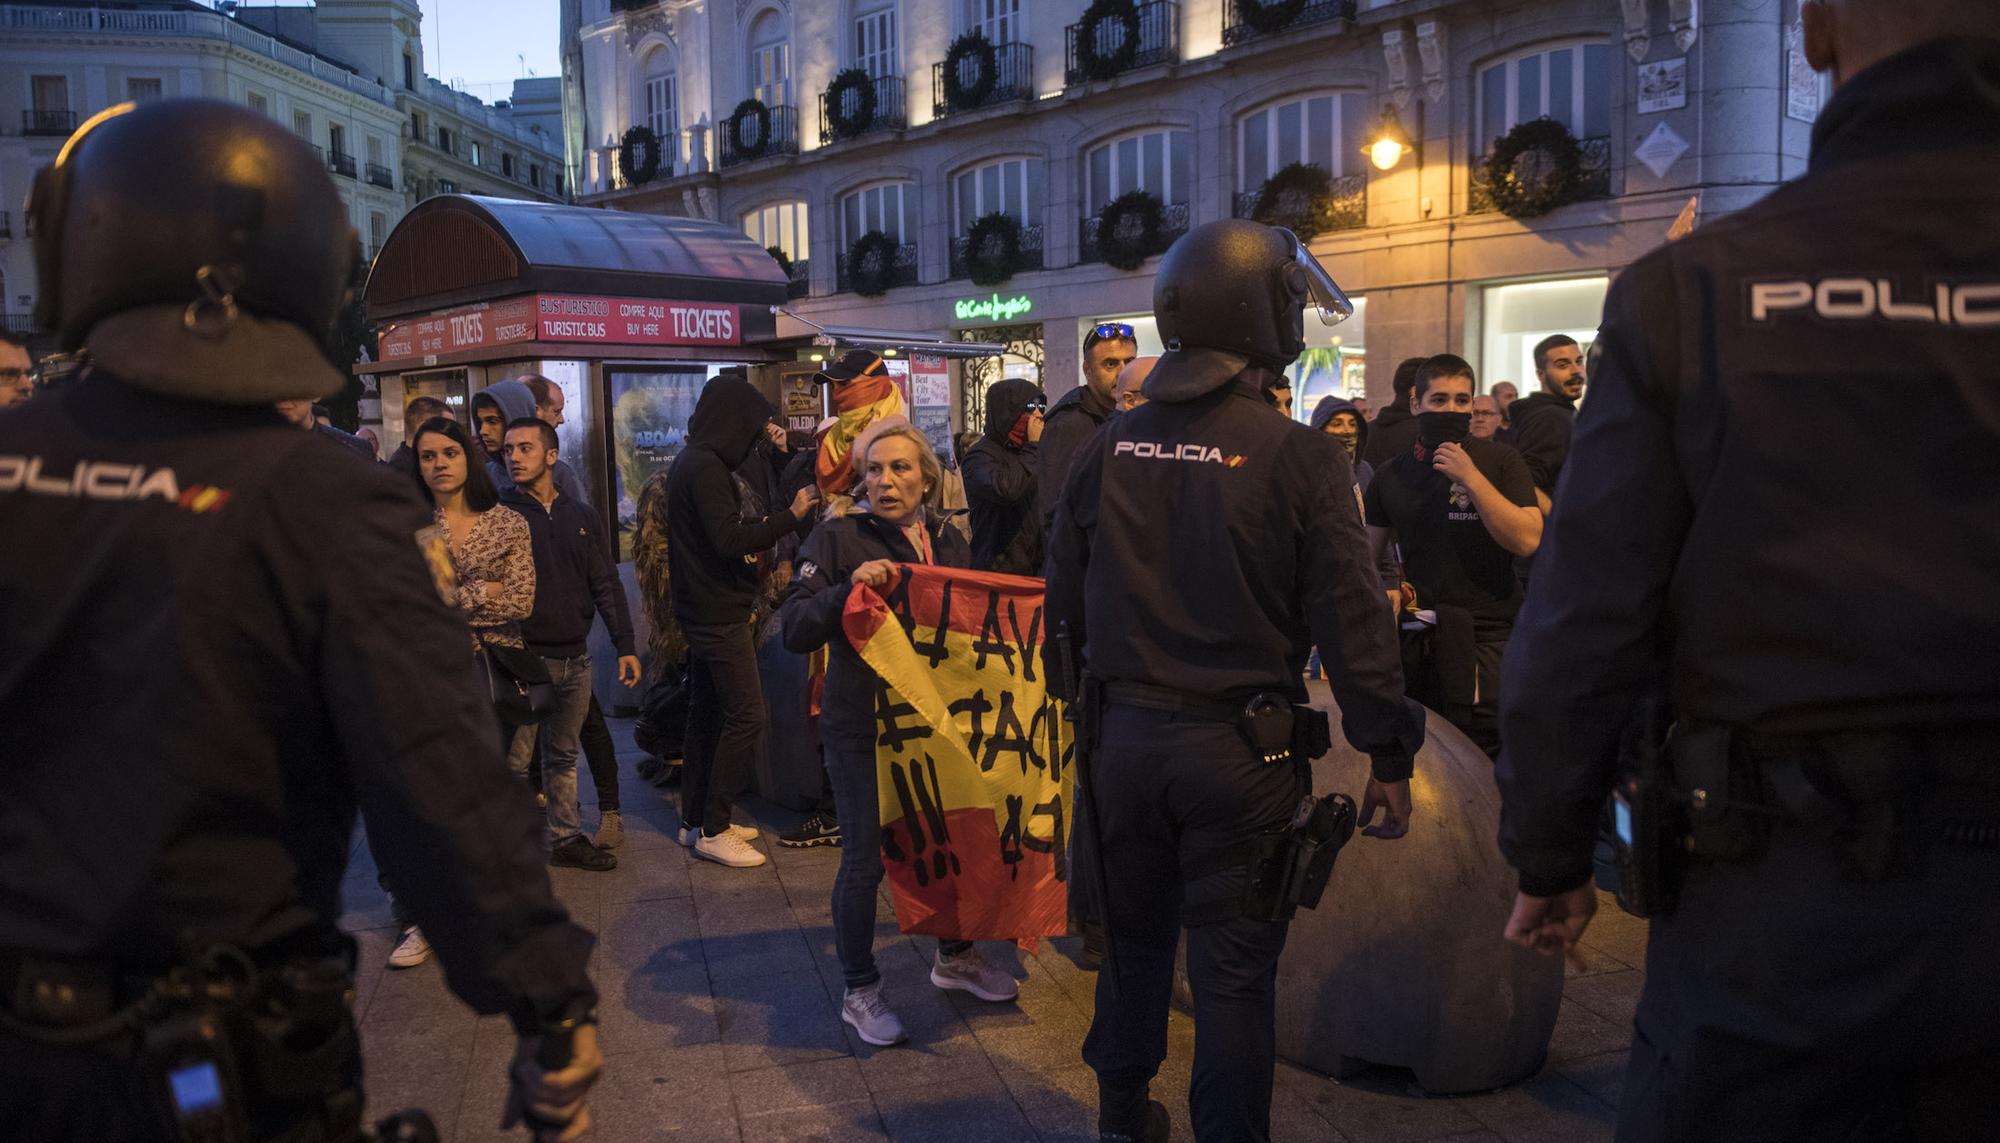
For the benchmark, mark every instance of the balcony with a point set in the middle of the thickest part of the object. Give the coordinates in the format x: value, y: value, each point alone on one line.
x: 1159, y: 41
x: 381, y: 176
x: 889, y: 111
x: 1030, y: 259
x: 902, y: 269
x: 1013, y: 78
x: 1173, y: 224
x: 40, y: 121
x: 1350, y: 204
x: 1593, y: 179
x: 746, y: 138
x: 340, y: 163
x: 1237, y: 29
x: 801, y: 279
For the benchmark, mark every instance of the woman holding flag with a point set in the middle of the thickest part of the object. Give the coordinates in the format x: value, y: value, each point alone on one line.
x: 893, y: 524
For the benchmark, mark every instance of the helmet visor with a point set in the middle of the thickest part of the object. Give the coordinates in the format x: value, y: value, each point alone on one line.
x: 1322, y: 292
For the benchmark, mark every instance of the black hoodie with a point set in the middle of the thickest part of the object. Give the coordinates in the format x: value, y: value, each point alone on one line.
x: 711, y: 546
x: 1542, y: 425
x: 1001, y: 485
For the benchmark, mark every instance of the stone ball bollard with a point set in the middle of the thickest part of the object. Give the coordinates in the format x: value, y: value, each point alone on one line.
x: 1403, y: 963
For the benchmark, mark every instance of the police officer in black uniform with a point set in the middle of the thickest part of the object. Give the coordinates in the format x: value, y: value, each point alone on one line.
x: 1203, y: 544
x: 1782, y: 494
x: 218, y: 638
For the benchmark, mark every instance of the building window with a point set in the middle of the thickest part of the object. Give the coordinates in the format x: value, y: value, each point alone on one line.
x: 139, y: 89
x: 378, y: 232
x: 409, y: 72
x: 478, y: 154
x: 1571, y: 85
x: 258, y: 103
x: 1002, y: 188
x: 374, y: 146
x: 302, y: 122
x: 1327, y: 131
x: 770, y: 61
x: 50, y: 93
x: 875, y: 39
x: 782, y: 225
x: 661, y: 114
x: 445, y: 141
x: 881, y: 207
x: 999, y: 19
x: 1156, y: 161
x: 506, y: 164
x: 535, y: 175
x: 336, y: 139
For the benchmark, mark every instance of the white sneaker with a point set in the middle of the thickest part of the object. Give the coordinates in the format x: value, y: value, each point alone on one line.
x: 728, y: 849
x: 969, y: 972
x: 869, y: 1015
x: 412, y: 950
x: 691, y: 834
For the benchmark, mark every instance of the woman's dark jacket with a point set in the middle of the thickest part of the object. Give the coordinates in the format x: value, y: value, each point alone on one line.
x: 1000, y: 486
x: 812, y: 607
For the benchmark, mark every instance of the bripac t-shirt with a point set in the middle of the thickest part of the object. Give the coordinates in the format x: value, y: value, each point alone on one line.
x: 1448, y: 555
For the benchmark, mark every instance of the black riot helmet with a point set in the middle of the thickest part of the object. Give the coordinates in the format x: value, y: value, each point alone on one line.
x: 1230, y: 294
x: 200, y: 212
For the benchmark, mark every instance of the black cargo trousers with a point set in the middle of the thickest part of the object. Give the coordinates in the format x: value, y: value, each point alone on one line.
x: 1784, y: 1002
x: 1179, y: 798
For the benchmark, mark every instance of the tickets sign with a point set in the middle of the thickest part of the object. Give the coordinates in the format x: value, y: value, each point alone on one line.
x: 572, y: 318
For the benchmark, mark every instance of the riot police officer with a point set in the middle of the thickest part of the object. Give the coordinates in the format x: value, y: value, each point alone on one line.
x: 218, y: 638
x: 1780, y: 495
x: 1204, y: 542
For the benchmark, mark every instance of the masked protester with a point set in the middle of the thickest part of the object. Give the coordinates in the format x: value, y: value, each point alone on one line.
x: 281, y: 668
x: 1002, y: 474
x: 1459, y: 509
x: 1200, y: 546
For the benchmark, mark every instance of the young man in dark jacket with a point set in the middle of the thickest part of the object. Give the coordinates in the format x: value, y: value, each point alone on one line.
x: 712, y: 571
x: 1002, y: 475
x: 1542, y: 421
x: 1107, y: 349
x: 574, y: 581
x: 1394, y: 429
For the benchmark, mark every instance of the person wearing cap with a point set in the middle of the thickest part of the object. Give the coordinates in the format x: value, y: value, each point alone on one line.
x: 862, y: 390
x: 1201, y: 545
x: 1108, y: 348
x: 894, y: 523
x: 219, y: 680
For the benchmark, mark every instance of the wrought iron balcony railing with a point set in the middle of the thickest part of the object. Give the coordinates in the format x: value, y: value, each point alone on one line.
x: 1593, y: 178
x: 42, y: 121
x: 1236, y: 28
x: 1159, y: 41
x: 1013, y: 78
x: 801, y: 279
x: 381, y: 176
x: 1030, y: 257
x: 889, y: 113
x: 748, y: 137
x: 340, y: 163
x: 902, y: 269
x: 1173, y: 224
x: 1350, y: 203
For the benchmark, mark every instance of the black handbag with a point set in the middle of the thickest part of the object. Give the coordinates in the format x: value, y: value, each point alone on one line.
x: 517, y: 683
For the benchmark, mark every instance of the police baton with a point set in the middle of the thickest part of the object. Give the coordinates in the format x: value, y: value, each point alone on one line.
x: 1086, y: 713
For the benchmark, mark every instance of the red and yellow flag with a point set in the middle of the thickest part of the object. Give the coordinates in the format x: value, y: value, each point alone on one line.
x: 856, y: 405
x: 972, y: 753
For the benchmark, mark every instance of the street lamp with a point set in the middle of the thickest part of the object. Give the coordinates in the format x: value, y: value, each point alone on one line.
x: 1391, y: 142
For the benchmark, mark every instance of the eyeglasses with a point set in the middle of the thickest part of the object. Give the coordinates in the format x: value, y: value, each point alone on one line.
x: 1108, y: 331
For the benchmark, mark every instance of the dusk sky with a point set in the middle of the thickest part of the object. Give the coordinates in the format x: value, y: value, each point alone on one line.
x: 482, y: 42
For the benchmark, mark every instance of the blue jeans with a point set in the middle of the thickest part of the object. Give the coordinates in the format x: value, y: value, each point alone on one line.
x: 860, y: 877
x: 572, y: 681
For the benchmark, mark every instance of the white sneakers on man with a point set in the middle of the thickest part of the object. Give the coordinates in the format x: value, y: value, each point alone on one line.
x: 412, y: 950
x: 690, y: 834
x: 728, y: 848
x: 969, y: 972
x: 869, y: 1015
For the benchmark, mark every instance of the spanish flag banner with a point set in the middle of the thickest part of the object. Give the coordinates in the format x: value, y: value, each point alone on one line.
x: 972, y: 753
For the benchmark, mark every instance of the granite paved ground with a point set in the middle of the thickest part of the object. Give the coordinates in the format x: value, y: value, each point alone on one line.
x: 720, y: 1021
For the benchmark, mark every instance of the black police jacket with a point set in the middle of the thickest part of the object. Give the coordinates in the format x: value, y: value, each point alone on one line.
x: 1204, y: 545
x: 218, y: 637
x: 814, y: 600
x: 1782, y: 488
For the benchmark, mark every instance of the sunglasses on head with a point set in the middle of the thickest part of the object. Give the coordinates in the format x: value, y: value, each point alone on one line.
x: 1108, y: 331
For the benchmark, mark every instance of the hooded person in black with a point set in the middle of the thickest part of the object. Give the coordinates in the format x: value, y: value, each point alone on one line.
x: 1001, y: 480
x: 714, y: 534
x: 1395, y: 427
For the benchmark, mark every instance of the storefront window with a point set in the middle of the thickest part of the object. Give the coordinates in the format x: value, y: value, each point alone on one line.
x: 1516, y: 316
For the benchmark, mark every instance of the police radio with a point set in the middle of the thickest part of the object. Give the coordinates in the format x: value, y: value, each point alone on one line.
x: 187, y: 1060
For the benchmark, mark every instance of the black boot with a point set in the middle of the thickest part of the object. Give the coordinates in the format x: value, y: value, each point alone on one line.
x: 1154, y: 1126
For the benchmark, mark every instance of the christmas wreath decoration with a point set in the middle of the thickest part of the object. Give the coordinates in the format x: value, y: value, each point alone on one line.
x: 783, y: 260
x: 974, y: 46
x: 1535, y: 168
x: 870, y: 262
x: 851, y: 88
x: 1088, y: 61
x: 1298, y: 197
x: 992, y: 249
x: 1268, y: 16
x: 639, y: 154
x: 1129, y: 229
x: 759, y: 143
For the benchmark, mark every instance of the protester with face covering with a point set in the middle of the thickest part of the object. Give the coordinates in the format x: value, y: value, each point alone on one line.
x: 1001, y: 474
x: 1340, y: 419
x: 1394, y: 429
x: 714, y: 585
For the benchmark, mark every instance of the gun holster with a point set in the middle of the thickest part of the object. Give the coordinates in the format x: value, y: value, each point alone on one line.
x: 1727, y: 816
x: 1289, y: 867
